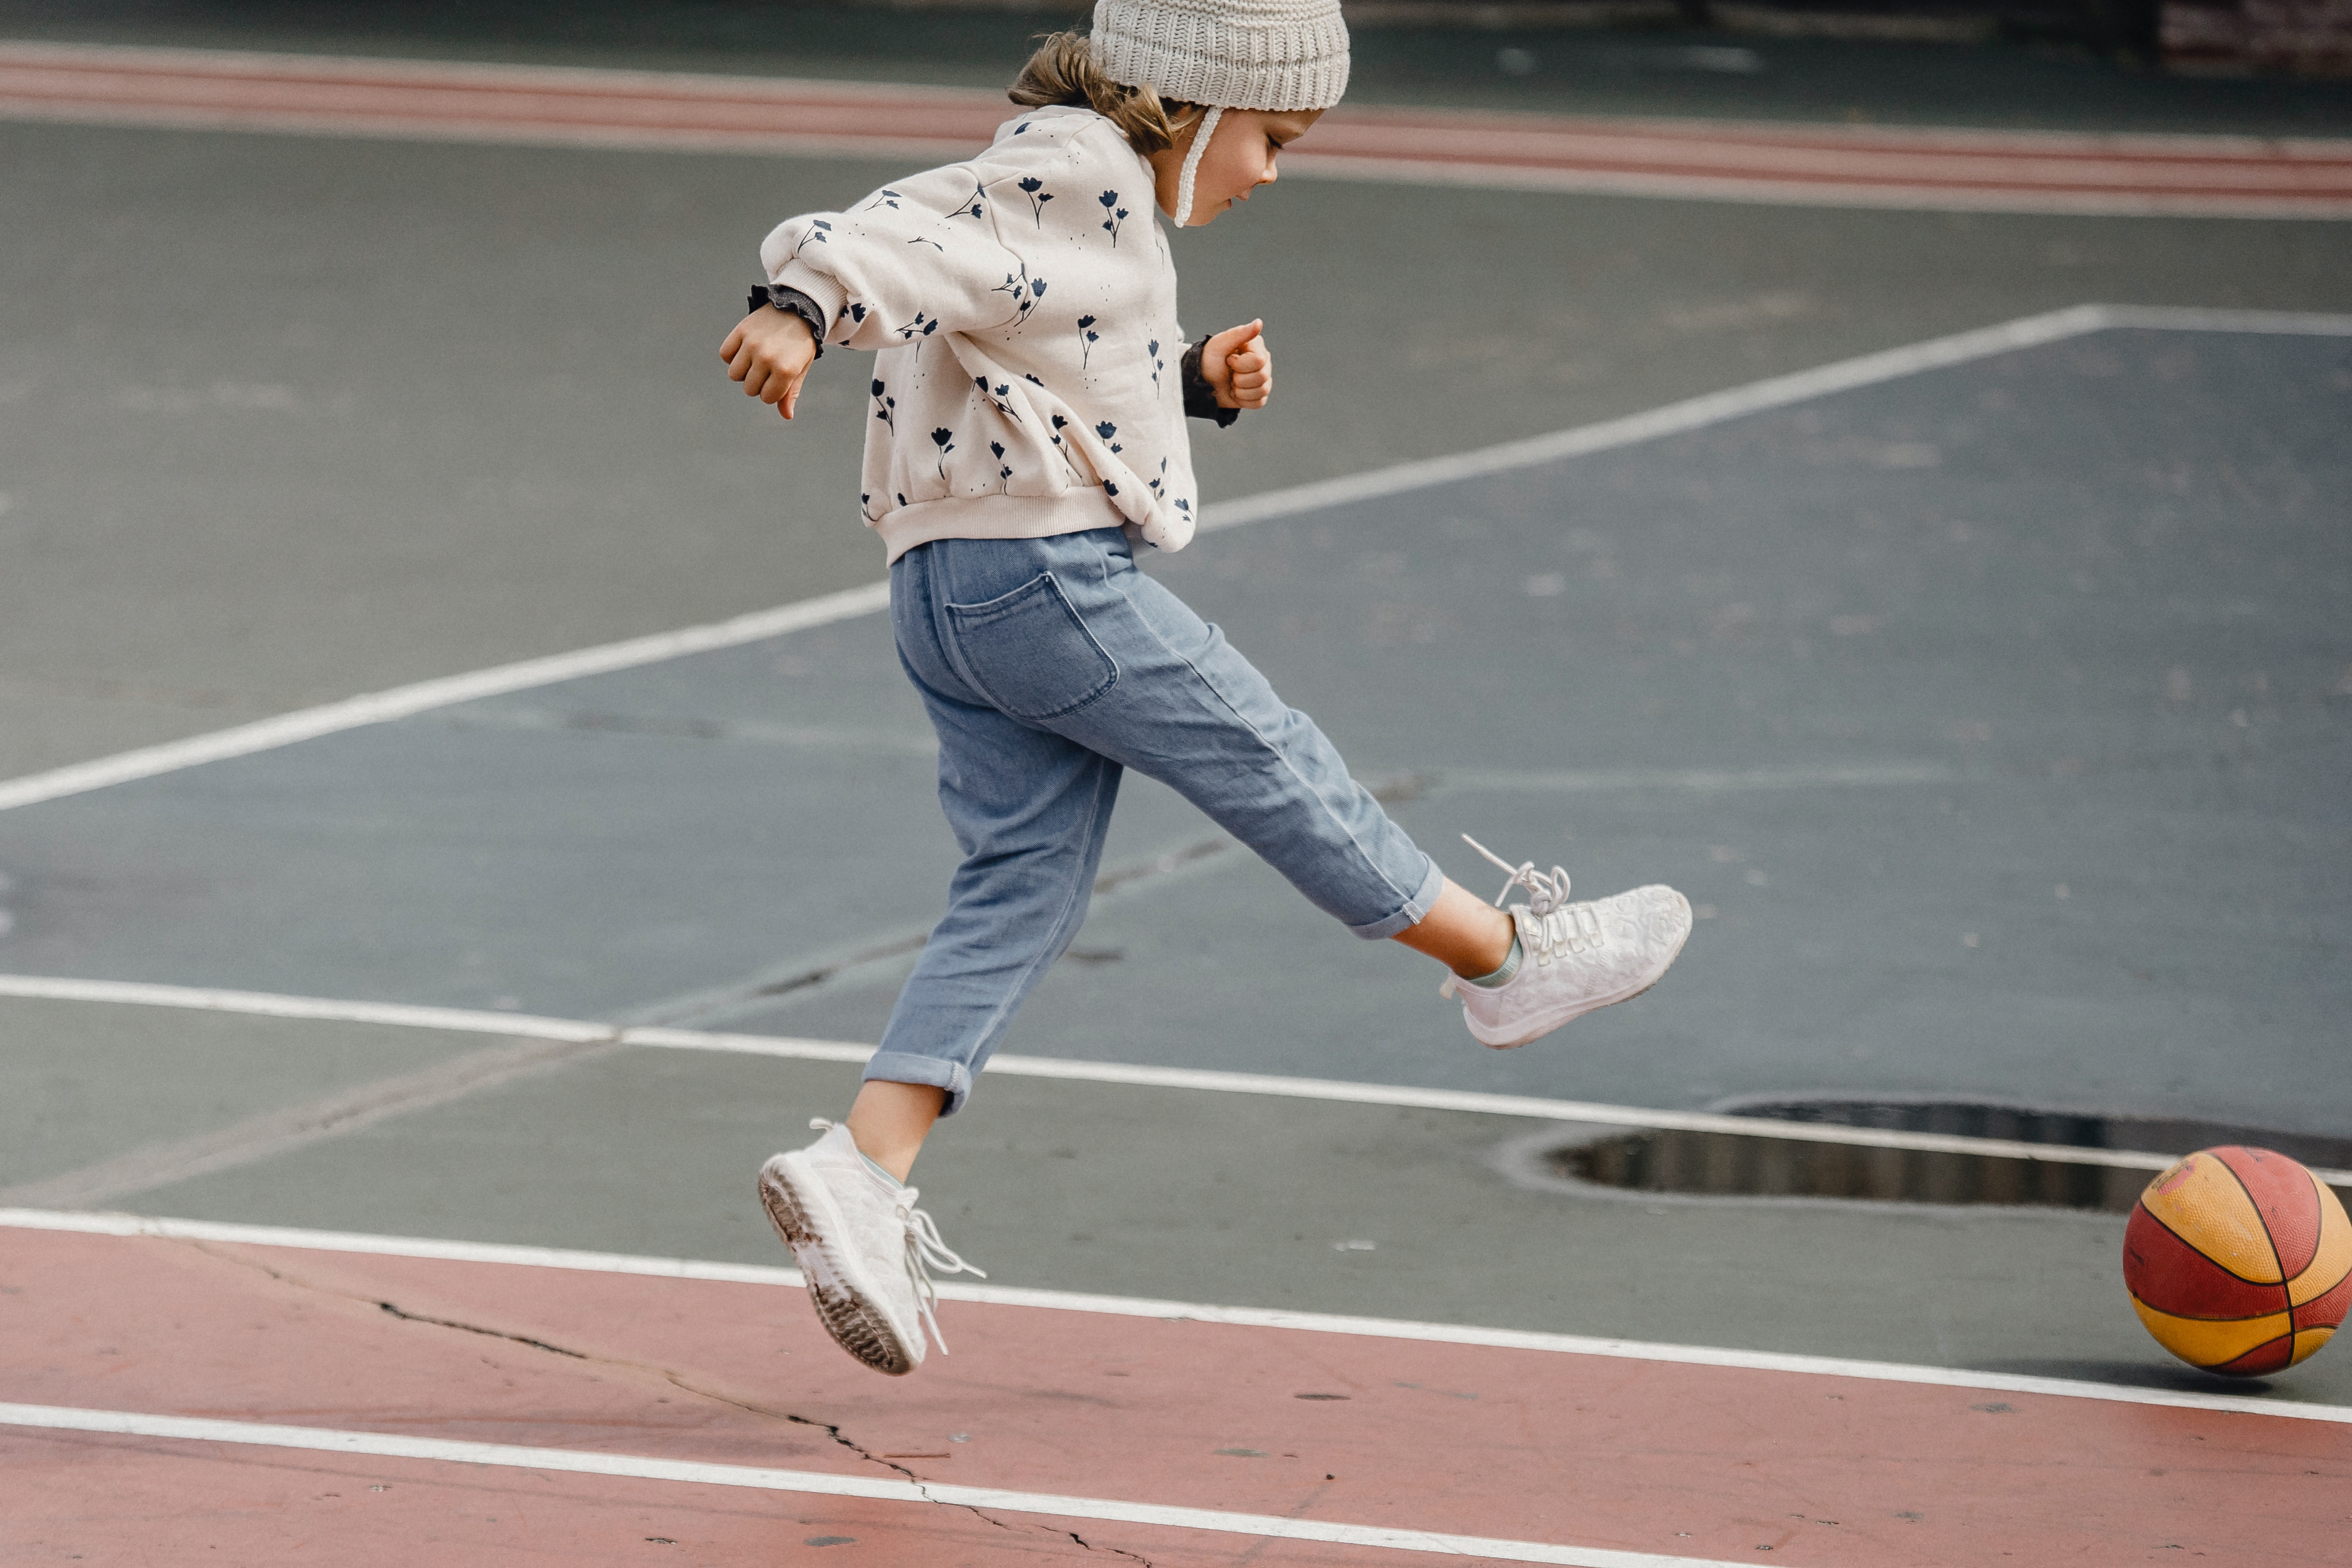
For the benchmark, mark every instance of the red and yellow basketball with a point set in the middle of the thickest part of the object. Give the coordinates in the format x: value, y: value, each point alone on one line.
x: 2239, y: 1261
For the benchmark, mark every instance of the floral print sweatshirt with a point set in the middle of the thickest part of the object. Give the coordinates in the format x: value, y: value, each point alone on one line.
x: 1028, y: 367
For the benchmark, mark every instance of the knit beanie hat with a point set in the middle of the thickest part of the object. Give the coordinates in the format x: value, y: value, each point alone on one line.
x: 1276, y: 55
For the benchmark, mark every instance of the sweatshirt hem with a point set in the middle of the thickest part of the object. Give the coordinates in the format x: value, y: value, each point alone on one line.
x: 996, y: 517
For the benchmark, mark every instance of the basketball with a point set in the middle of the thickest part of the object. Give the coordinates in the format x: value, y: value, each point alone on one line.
x: 2239, y: 1261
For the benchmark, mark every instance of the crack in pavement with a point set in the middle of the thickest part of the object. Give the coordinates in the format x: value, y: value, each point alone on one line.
x: 673, y: 1378
x: 835, y: 1432
x: 407, y: 1317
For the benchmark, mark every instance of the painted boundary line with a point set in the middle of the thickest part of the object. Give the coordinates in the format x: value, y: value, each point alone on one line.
x: 126, y: 1224
x: 1306, y: 163
x: 378, y: 1445
x: 1927, y: 168
x: 1714, y: 408
x: 521, y: 1025
x: 400, y: 702
x: 1761, y: 396
x: 490, y: 132
x: 1319, y: 164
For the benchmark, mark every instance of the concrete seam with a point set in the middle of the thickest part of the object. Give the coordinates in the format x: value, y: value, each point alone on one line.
x: 281, y: 1131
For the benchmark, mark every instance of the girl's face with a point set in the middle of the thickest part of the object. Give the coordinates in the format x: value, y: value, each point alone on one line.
x: 1241, y: 157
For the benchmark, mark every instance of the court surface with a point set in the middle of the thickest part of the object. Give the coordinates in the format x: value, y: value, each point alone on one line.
x: 1906, y: 684
x: 1988, y: 695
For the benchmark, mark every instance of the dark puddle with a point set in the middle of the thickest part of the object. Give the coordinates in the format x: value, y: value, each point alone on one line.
x: 1722, y: 1164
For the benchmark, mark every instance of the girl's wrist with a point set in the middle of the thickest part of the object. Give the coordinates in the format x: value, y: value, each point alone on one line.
x: 794, y: 303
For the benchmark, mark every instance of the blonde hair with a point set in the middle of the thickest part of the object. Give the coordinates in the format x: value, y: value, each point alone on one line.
x: 1064, y: 71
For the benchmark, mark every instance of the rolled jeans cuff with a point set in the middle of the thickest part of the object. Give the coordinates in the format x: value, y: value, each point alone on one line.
x: 940, y: 1072
x: 1416, y: 910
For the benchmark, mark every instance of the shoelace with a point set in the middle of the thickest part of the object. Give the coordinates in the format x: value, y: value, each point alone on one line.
x: 924, y: 1248
x: 1553, y: 926
x: 925, y: 1251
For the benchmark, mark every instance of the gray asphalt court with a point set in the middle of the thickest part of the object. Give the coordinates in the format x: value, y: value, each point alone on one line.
x: 1913, y: 689
x: 1996, y: 716
x: 1993, y: 716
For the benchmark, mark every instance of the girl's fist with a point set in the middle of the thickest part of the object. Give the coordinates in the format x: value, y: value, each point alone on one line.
x: 769, y: 351
x: 1239, y: 367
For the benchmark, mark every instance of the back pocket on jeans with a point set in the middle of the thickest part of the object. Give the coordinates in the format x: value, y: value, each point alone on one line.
x: 1030, y: 654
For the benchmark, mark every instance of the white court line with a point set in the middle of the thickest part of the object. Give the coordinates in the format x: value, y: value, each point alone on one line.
x: 1699, y: 781
x: 400, y: 702
x: 1559, y: 181
x: 268, y: 1005
x: 379, y: 1444
x: 1778, y: 391
x: 1756, y: 397
x: 125, y: 1224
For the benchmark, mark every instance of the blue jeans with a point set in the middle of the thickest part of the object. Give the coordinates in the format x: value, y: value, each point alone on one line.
x: 1049, y: 666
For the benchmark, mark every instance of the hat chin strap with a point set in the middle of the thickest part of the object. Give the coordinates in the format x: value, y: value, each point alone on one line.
x: 1192, y: 164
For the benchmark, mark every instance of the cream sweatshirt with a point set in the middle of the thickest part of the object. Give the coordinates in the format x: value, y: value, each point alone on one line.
x: 1022, y: 308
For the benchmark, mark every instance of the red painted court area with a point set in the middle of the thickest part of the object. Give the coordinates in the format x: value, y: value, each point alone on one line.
x: 1594, y: 1460
x: 1815, y: 164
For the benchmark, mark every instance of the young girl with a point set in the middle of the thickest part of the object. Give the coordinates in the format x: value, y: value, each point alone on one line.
x: 1029, y: 395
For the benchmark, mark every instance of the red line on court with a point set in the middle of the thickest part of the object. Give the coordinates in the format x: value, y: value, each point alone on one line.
x: 1881, y: 165
x: 1656, y: 1457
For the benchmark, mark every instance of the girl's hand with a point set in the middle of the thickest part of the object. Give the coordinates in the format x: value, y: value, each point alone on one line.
x: 1239, y: 367
x: 769, y: 351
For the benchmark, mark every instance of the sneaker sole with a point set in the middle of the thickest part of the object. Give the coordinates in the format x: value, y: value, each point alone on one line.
x: 803, y: 1214
x: 1553, y: 1020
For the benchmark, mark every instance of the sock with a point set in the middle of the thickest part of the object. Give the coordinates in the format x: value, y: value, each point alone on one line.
x: 879, y: 1169
x: 1502, y: 976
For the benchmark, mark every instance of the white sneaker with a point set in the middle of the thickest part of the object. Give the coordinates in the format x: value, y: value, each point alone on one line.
x: 1573, y: 958
x: 862, y: 1246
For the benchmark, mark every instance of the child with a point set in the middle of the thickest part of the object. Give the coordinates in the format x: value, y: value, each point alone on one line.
x: 1029, y: 395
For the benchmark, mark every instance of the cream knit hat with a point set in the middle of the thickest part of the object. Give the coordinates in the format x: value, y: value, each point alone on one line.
x: 1276, y: 55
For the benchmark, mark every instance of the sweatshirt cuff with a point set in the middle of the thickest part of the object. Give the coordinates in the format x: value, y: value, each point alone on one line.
x: 829, y: 297
x: 1200, y: 397
x: 792, y: 302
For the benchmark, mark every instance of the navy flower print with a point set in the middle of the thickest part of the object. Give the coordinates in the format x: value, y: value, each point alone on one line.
x: 1061, y: 424
x: 821, y: 233
x: 1035, y: 189
x: 884, y: 197
x: 1158, y: 364
x: 914, y: 331
x: 1003, y: 469
x: 1113, y: 215
x: 975, y: 203
x: 944, y: 439
x: 1088, y: 338
x: 885, y: 408
x: 1023, y: 289
x: 996, y: 397
x: 1106, y: 430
